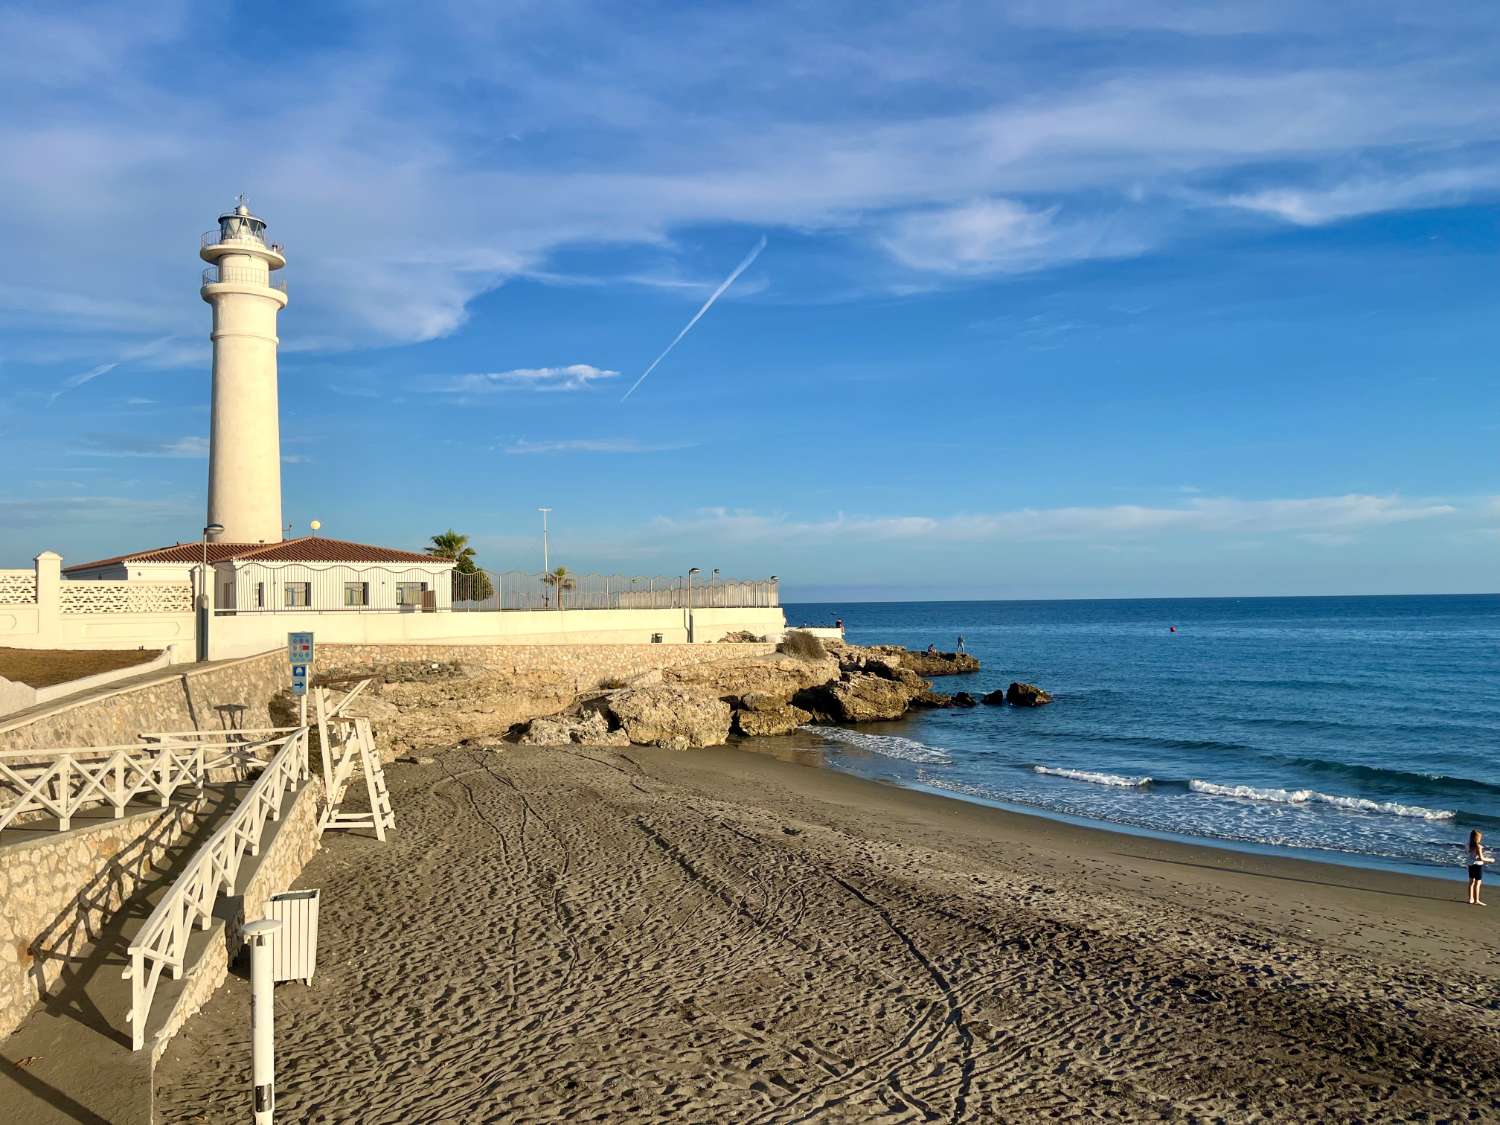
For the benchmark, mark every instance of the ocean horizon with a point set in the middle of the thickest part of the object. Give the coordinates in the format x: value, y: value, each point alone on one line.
x: 1356, y: 728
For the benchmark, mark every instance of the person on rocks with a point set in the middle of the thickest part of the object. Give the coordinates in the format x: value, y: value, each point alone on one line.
x: 960, y: 642
x: 932, y: 650
x: 1476, y: 858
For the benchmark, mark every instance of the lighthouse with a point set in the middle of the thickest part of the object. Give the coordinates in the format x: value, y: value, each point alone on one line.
x: 244, y: 458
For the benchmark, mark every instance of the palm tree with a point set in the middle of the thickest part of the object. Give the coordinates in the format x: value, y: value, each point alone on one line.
x: 561, y: 581
x: 475, y: 585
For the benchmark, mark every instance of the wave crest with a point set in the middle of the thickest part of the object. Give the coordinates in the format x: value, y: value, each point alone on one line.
x: 1312, y: 796
x: 887, y: 745
x: 1119, y: 781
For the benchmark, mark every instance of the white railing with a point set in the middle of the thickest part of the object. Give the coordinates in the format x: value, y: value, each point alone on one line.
x: 240, y: 275
x: 239, y: 747
x: 63, y: 781
x: 162, y: 942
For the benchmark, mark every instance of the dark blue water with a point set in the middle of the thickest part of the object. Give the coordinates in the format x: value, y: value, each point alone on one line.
x: 1366, y: 728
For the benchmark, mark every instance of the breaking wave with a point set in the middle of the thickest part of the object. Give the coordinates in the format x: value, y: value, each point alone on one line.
x: 1312, y: 796
x: 1117, y: 780
x: 886, y: 745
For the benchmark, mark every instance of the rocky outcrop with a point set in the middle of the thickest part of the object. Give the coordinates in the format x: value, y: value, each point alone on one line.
x: 590, y: 728
x: 931, y: 700
x: 858, y: 657
x: 782, y: 719
x: 858, y: 697
x: 671, y: 717
x: 451, y: 707
x: 1026, y: 695
x: 993, y: 698
x: 964, y: 699
x: 777, y: 676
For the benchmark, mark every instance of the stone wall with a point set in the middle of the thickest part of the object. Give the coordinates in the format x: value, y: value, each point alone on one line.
x: 296, y: 841
x: 56, y: 892
x: 199, y: 698
x: 580, y: 667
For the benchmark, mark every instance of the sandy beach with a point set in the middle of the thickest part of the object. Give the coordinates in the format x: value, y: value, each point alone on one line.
x: 600, y: 935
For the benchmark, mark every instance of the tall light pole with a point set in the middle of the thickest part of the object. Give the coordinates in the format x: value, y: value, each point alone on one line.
x: 546, y: 561
x: 212, y: 531
x: 692, y: 570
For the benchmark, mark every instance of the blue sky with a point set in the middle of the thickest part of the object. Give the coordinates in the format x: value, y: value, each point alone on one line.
x: 1057, y: 299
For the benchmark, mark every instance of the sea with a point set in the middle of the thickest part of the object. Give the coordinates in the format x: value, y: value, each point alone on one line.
x: 1362, y: 730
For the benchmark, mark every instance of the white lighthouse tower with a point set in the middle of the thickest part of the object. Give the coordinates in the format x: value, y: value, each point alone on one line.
x: 244, y: 459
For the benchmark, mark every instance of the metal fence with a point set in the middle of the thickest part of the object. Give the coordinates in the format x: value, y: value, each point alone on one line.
x: 486, y: 590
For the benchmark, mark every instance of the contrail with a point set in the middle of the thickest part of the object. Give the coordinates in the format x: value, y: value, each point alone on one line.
x: 697, y: 316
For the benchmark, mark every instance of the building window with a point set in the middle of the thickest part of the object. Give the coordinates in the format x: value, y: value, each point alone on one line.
x: 410, y: 593
x: 356, y: 594
x: 260, y: 595
x: 298, y: 595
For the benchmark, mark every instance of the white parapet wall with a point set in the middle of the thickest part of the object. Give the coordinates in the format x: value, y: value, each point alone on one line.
x: 38, y: 609
x: 247, y: 634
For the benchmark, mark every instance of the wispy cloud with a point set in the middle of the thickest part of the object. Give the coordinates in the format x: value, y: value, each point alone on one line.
x: 1324, y: 516
x: 59, y: 511
x: 574, y: 377
x: 120, y: 445
x: 593, y: 445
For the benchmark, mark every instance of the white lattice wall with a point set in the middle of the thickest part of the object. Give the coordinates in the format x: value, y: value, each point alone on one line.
x: 17, y: 587
x: 126, y: 597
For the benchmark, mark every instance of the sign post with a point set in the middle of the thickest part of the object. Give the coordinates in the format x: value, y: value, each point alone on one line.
x: 299, y: 651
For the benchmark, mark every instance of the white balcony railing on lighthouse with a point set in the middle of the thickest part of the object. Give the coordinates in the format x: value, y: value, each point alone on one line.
x: 240, y: 275
x: 216, y: 237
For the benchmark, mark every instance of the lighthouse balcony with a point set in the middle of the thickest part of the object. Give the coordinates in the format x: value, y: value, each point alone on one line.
x: 214, y: 244
x: 239, y: 275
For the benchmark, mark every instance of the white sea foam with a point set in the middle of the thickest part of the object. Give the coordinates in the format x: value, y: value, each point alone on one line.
x: 886, y: 745
x: 1312, y: 796
x: 1118, y: 781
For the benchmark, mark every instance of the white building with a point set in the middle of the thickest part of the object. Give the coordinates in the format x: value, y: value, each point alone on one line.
x: 311, y: 573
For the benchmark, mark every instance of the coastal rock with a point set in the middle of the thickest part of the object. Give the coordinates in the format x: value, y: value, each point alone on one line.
x: 964, y: 699
x: 776, y: 677
x: 857, y: 698
x: 1026, y: 695
x: 590, y: 728
x: 671, y: 717
x: 993, y: 698
x: 770, y: 721
x: 931, y: 700
x: 859, y: 658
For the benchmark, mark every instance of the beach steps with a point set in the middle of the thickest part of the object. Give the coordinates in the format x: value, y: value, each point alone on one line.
x: 70, y: 1060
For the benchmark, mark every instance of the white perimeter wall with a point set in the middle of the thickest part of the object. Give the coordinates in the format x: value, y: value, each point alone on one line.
x: 251, y: 633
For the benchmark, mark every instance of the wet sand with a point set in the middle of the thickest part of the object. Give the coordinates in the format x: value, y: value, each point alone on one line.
x: 722, y: 936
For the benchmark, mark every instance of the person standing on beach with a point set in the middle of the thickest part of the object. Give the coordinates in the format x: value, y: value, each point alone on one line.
x: 1476, y: 860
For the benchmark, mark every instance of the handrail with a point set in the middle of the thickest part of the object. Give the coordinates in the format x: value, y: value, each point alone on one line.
x: 235, y: 746
x: 216, y: 237
x: 162, y: 942
x: 62, y: 781
x: 240, y: 275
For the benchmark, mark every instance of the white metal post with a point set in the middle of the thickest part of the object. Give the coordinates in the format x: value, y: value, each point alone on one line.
x: 262, y: 1017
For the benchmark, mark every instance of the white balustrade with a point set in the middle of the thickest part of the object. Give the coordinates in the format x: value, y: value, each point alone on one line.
x: 162, y: 942
x: 63, y: 781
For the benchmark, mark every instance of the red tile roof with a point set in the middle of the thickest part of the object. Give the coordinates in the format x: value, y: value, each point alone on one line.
x: 310, y: 548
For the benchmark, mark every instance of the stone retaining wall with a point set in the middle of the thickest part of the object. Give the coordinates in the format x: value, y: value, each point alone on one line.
x: 56, y: 892
x: 201, y: 698
x: 585, y: 666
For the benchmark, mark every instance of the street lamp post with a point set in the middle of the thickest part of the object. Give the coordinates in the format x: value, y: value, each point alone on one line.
x: 212, y: 531
x: 692, y: 570
x: 546, y: 561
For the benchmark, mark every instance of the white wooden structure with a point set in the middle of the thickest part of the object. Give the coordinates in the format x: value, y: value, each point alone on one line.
x: 349, y: 746
x: 63, y: 781
x: 162, y: 942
